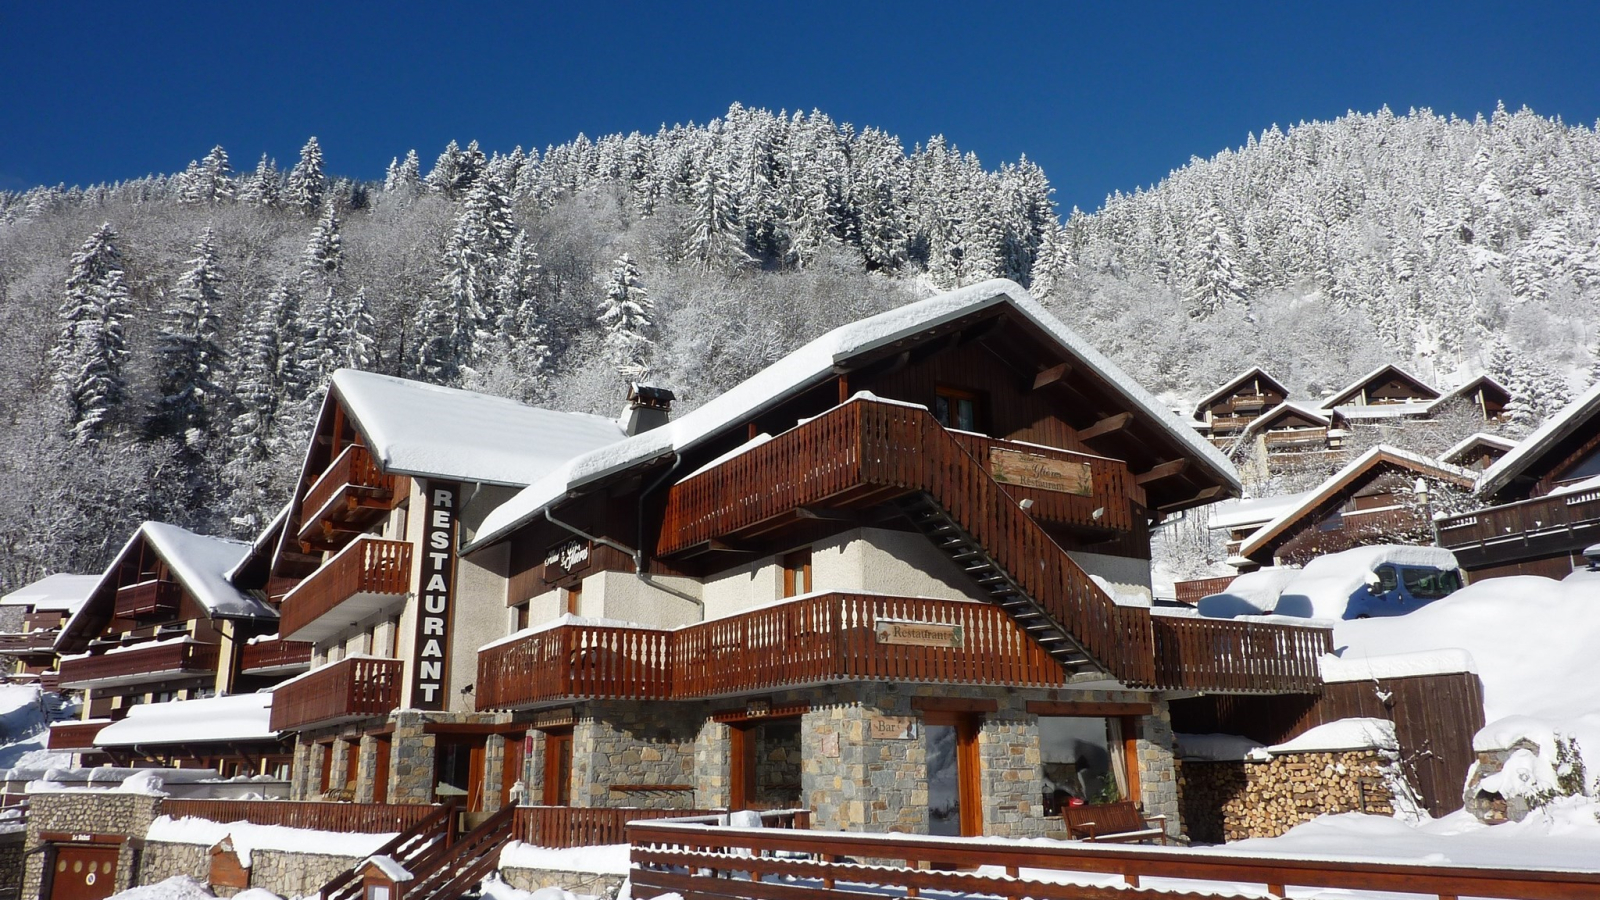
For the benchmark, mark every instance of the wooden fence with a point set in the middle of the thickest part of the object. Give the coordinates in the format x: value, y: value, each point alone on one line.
x: 1190, y: 592
x: 1435, y: 718
x: 360, y: 818
x: 713, y: 863
x: 1225, y: 655
x: 354, y: 687
x: 573, y: 826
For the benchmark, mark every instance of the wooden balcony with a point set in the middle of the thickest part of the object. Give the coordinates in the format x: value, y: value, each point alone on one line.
x: 1295, y: 440
x: 1107, y: 485
x: 275, y: 657
x: 74, y: 735
x: 352, y: 688
x: 350, y: 495
x: 1190, y: 592
x: 141, y: 664
x: 50, y: 681
x: 1531, y: 529
x: 365, y: 578
x: 865, y: 453
x: 153, y: 599
x: 30, y: 643
x: 1227, y: 656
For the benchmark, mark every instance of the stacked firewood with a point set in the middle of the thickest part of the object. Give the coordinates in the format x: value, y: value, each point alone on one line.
x: 1236, y: 800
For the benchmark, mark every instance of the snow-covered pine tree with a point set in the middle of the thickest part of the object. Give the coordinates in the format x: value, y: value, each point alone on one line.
x: 1215, y: 281
x: 715, y: 239
x: 262, y: 187
x: 625, y: 314
x: 188, y: 357
x: 325, y: 339
x: 91, y: 348
x: 325, y: 248
x: 257, y: 369
x: 308, y: 183
x: 405, y: 175
x: 360, y: 349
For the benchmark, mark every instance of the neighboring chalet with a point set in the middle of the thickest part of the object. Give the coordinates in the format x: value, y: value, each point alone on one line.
x: 1546, y: 493
x: 1386, y: 392
x: 1231, y: 408
x: 32, y: 617
x: 900, y: 577
x: 163, y: 623
x: 1484, y: 394
x: 1478, y: 451
x: 1378, y: 498
x: 397, y: 473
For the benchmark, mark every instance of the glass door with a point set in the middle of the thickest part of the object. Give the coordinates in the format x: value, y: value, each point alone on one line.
x: 954, y: 797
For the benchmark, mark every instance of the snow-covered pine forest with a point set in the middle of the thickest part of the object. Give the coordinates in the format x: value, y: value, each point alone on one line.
x: 168, y: 337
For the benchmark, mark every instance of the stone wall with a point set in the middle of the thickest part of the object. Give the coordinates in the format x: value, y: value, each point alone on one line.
x: 283, y: 873
x: 1158, y: 774
x: 593, y: 883
x: 98, y: 812
x: 12, y: 845
x: 1232, y: 801
x: 631, y: 743
x: 161, y: 860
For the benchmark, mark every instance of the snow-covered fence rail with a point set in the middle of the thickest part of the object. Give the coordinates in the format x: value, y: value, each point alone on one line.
x: 365, y: 818
x: 573, y: 826
x: 720, y: 863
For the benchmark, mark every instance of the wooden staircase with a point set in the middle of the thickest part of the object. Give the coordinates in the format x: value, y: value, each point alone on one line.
x: 435, y: 832
x: 449, y: 871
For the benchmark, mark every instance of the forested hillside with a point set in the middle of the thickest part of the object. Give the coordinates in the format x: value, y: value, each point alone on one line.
x: 168, y: 338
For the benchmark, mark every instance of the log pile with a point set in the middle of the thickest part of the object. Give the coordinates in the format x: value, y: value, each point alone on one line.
x: 1230, y: 801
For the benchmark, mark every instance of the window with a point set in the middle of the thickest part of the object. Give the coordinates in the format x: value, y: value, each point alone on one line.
x: 1083, y: 759
x: 1431, y: 584
x: 1387, y: 579
x: 1588, y: 467
x: 797, y: 573
x: 956, y: 408
x: 574, y: 598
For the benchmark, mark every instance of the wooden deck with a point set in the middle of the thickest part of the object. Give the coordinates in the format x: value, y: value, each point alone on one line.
x: 1190, y: 592
x: 1228, y: 656
x: 353, y: 688
x: 349, y: 495
x: 1539, y: 527
x: 148, y: 599
x: 373, y: 571
x: 141, y: 665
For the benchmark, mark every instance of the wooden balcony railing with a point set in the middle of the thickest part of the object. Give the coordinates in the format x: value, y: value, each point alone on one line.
x: 879, y: 450
x: 1230, y: 656
x: 352, y: 688
x: 1190, y: 592
x: 1390, y: 525
x: 148, y: 599
x: 141, y: 664
x: 577, y: 826
x: 372, y: 571
x: 1499, y: 533
x: 274, y: 656
x: 1295, y: 439
x: 830, y: 637
x: 349, y: 818
x: 1108, y: 485
x: 74, y: 735
x: 354, y: 488
x: 29, y: 643
x: 50, y: 681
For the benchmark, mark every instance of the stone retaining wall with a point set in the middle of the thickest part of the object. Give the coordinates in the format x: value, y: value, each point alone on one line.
x: 12, y: 844
x: 602, y: 886
x: 96, y: 812
x: 1234, y: 800
x: 283, y: 873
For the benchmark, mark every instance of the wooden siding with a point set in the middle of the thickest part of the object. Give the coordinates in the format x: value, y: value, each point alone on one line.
x: 1520, y: 532
x: 1190, y: 592
x: 73, y: 735
x: 1435, y: 718
x: 1228, y: 656
x: 1309, y: 540
x: 152, y: 599
x: 274, y: 654
x: 348, y: 818
x: 353, y: 688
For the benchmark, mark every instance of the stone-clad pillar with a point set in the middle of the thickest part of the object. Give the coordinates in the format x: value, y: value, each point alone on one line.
x: 1158, y: 781
x: 1011, y: 778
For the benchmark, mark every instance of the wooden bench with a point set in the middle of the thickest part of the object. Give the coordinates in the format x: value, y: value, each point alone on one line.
x: 1113, y: 822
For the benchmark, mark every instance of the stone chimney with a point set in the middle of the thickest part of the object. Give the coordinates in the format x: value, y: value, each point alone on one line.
x: 648, y: 407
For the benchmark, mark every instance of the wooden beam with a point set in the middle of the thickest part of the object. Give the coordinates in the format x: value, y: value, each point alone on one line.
x: 826, y: 515
x: 1108, y: 425
x: 1098, y: 710
x: 954, y: 704
x: 1051, y: 375
x: 1164, y: 470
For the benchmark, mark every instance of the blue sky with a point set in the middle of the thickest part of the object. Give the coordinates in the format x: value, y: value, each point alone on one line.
x: 1105, y: 98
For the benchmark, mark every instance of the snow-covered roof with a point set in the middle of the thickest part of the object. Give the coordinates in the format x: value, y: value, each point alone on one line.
x: 1472, y: 440
x: 1355, y: 387
x: 240, y: 717
x: 814, y: 362
x: 431, y: 431
x: 1403, y: 410
x: 1472, y: 386
x: 1231, y: 514
x: 1252, y: 372
x: 1527, y: 452
x: 1215, y: 747
x: 1443, y: 661
x: 1287, y: 406
x: 58, y: 591
x: 1339, y: 479
x: 264, y: 542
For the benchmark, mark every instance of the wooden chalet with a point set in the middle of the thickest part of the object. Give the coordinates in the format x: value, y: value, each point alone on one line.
x: 32, y: 617
x: 1483, y: 393
x: 1294, y: 428
x: 1546, y: 501
x: 162, y: 623
x: 867, y: 580
x: 365, y: 568
x: 1478, y: 451
x: 1228, y: 410
x: 1376, y: 499
x: 1386, y: 385
x: 231, y: 734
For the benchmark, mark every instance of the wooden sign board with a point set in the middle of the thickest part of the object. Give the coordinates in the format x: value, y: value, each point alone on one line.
x: 892, y: 728
x: 1042, y: 473
x: 920, y: 634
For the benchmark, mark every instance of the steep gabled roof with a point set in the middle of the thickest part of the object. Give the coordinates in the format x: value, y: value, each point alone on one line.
x: 59, y: 591
x: 1483, y: 382
x: 430, y: 431
x: 1379, y: 455
x: 1533, y: 449
x: 1241, y: 378
x: 1265, y: 420
x: 1476, y: 440
x: 199, y: 562
x: 813, y: 364
x: 1342, y: 397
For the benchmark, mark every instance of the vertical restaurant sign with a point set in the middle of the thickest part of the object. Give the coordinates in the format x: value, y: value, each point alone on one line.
x: 430, y: 659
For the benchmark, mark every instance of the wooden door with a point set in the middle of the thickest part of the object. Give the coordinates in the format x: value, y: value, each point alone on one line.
x: 458, y: 769
x: 83, y: 872
x: 558, y: 768
x: 327, y: 766
x: 352, y: 766
x: 741, y: 766
x: 955, y: 795
x: 382, y: 745
x: 511, y: 772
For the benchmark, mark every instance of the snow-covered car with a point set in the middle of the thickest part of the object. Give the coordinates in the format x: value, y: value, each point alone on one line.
x: 1394, y: 590
x: 1364, y: 582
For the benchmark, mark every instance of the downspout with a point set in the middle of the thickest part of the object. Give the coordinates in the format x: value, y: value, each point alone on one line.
x: 638, y: 556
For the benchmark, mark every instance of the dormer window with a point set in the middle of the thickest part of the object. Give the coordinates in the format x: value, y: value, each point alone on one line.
x: 956, y: 408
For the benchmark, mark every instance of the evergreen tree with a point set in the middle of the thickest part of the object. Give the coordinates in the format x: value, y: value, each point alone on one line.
x: 1215, y: 283
x: 714, y: 237
x: 360, y: 349
x: 308, y: 183
x: 263, y: 186
x: 91, y: 349
x: 325, y: 250
x: 625, y: 311
x: 188, y: 358
x: 404, y: 175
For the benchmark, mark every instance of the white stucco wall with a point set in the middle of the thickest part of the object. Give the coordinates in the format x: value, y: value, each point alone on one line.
x: 622, y: 595
x: 1126, y: 572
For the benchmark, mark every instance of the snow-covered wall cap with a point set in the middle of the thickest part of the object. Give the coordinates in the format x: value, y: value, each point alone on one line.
x: 1232, y: 514
x: 1342, y: 734
x: 1339, y: 479
x: 813, y: 363
x: 1252, y: 372
x: 431, y: 431
x: 1447, y: 661
x: 240, y: 717
x: 58, y: 591
x: 1498, y: 476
